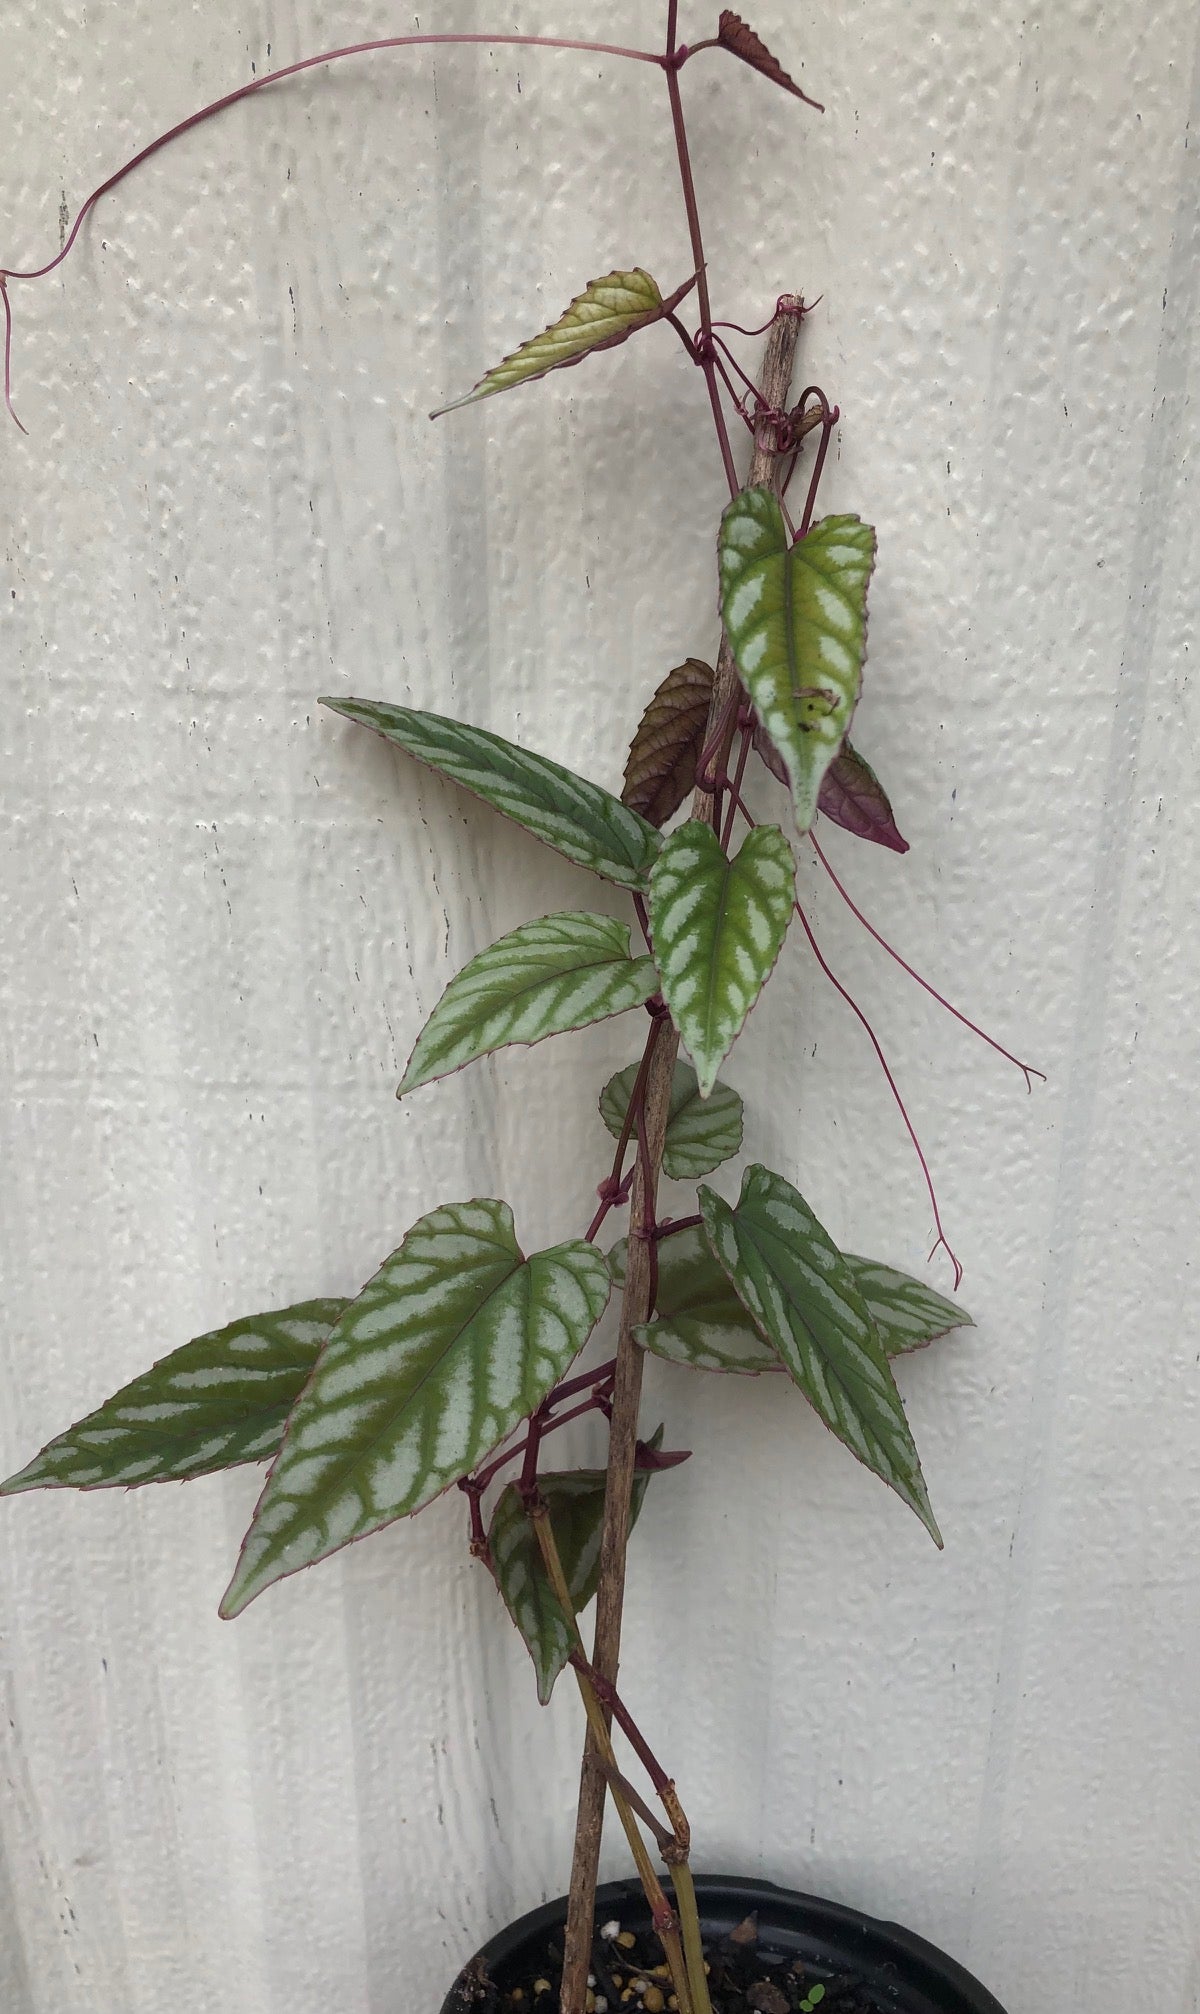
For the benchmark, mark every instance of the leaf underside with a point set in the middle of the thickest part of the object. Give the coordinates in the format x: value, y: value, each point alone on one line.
x: 806, y: 1303
x: 453, y: 1342
x: 852, y: 796
x: 741, y: 40
x: 220, y: 1400
x: 545, y: 978
x: 565, y: 811
x: 717, y: 925
x: 796, y: 618
x: 701, y: 1132
x: 661, y: 769
x: 606, y: 313
x: 575, y: 1501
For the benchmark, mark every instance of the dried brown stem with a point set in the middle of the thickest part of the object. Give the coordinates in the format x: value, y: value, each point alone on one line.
x: 775, y: 383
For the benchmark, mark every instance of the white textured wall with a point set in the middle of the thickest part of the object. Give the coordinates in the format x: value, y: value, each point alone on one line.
x: 225, y: 916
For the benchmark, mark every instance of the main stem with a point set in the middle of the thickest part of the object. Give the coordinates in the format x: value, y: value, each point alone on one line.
x: 775, y: 383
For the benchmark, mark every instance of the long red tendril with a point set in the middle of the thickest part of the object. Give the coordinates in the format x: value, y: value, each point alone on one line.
x: 942, y: 1242
x: 261, y: 84
x: 1027, y: 1069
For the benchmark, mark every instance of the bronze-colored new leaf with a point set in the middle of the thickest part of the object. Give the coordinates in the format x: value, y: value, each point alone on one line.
x: 741, y: 40
x: 606, y: 313
x: 852, y: 796
x: 661, y: 770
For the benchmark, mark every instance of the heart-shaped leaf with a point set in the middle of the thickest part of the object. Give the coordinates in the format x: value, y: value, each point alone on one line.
x: 701, y: 1132
x: 606, y: 313
x: 717, y: 927
x: 557, y: 973
x: 906, y: 1312
x: 852, y: 796
x: 796, y: 618
x: 699, y: 1319
x: 575, y: 1501
x: 456, y: 1339
x: 220, y: 1400
x: 661, y: 769
x: 741, y: 40
x: 806, y: 1302
x: 574, y: 816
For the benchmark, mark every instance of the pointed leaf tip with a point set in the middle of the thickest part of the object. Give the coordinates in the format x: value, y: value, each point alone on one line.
x: 796, y: 618
x: 907, y: 1313
x: 852, y: 796
x: 742, y: 41
x: 606, y: 313
x: 219, y: 1401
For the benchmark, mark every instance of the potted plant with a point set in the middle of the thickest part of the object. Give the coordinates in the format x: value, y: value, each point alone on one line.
x: 463, y: 1354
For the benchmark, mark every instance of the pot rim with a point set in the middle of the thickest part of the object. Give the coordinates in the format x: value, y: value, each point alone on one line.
x: 723, y: 1896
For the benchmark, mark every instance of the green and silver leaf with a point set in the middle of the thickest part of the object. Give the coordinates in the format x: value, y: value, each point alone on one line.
x: 906, y: 1312
x: 456, y: 1339
x: 606, y: 313
x: 549, y: 976
x: 220, y: 1400
x: 701, y: 1132
x: 699, y: 1320
x: 567, y: 812
x: 575, y: 1501
x: 717, y: 925
x: 796, y: 618
x: 806, y: 1302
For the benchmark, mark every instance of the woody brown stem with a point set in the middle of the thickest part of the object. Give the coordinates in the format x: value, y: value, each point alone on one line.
x: 775, y: 383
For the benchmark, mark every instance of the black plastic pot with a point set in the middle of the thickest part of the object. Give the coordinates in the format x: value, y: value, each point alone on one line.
x: 906, y: 1975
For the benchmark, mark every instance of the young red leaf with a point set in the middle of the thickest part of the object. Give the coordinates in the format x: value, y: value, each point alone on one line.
x: 661, y: 770
x: 852, y: 795
x: 740, y: 39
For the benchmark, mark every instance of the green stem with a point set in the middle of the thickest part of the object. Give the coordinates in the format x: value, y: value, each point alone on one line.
x: 693, y: 1943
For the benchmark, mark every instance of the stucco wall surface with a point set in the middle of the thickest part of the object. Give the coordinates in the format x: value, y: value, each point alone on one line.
x: 226, y: 914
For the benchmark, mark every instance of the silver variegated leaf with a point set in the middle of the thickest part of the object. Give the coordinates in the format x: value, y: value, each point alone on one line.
x: 456, y: 1339
x: 606, y: 313
x: 806, y: 1302
x: 575, y: 1501
x: 701, y: 1322
x: 576, y: 817
x: 220, y: 1400
x: 557, y: 973
x: 796, y: 619
x: 701, y: 1132
x: 717, y: 925
x: 906, y: 1312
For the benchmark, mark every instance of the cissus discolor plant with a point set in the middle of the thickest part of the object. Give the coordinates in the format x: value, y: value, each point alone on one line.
x: 458, y: 1359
